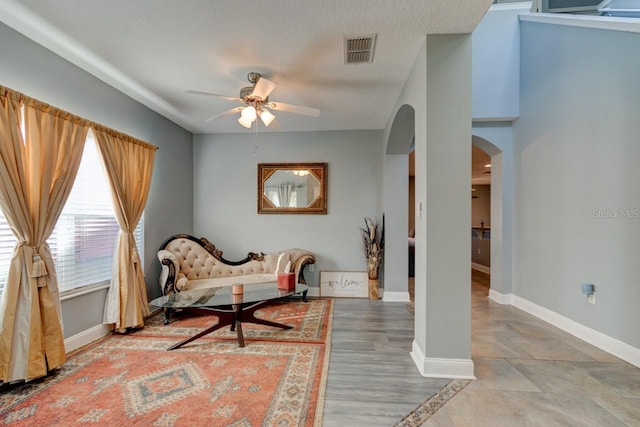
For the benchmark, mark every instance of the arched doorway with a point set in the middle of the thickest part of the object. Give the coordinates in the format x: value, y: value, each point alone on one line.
x: 396, y: 202
x: 498, y: 233
x: 396, y: 205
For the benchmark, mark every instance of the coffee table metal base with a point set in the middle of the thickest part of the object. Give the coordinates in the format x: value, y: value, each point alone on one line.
x: 234, y: 317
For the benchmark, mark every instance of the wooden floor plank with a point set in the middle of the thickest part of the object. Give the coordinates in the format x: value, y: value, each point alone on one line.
x: 372, y: 379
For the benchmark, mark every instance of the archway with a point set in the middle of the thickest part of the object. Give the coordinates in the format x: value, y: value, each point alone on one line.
x: 396, y: 200
x: 402, y: 131
x: 498, y: 218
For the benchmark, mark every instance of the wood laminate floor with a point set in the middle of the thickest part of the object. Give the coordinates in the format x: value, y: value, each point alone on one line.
x: 372, y: 379
x: 529, y: 372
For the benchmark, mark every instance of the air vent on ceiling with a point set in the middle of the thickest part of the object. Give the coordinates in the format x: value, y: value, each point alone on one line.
x: 358, y: 49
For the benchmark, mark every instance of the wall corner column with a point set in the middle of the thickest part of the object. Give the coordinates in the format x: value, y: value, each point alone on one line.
x: 442, y: 341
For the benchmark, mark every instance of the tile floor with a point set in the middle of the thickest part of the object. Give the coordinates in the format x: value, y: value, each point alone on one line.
x: 533, y: 374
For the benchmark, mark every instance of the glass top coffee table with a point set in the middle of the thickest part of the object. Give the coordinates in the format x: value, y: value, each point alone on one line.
x: 231, y: 309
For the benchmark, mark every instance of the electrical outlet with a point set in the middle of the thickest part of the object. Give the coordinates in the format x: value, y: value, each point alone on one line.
x: 312, y: 268
x: 478, y: 251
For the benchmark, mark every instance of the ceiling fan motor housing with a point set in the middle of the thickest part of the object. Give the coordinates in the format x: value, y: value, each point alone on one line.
x: 246, y: 96
x: 256, y: 98
x: 245, y: 92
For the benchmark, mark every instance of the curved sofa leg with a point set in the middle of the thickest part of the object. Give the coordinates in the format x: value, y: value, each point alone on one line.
x: 304, y: 296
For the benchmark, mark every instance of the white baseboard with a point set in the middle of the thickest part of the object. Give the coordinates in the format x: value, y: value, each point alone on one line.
x: 481, y: 267
x: 388, y: 296
x: 85, y: 337
x: 442, y: 368
x: 598, y: 339
x: 500, y: 298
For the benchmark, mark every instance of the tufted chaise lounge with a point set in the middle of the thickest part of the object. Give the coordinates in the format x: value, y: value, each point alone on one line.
x: 192, y: 263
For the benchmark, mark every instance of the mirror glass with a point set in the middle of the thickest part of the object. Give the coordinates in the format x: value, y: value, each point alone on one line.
x: 292, y: 188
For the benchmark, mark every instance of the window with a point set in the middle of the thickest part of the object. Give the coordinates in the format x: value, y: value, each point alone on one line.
x: 273, y: 196
x: 7, y: 242
x: 83, y: 241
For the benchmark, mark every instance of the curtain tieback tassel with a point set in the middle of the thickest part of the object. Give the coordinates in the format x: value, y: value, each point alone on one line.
x: 135, y: 257
x: 39, y: 271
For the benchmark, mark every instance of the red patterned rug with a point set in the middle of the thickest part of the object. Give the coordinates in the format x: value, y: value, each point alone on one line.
x: 277, y: 379
x: 306, y: 319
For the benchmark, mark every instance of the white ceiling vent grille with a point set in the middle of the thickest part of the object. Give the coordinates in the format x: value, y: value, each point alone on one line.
x: 358, y: 49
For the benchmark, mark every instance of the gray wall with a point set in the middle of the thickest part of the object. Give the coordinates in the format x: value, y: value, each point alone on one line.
x: 29, y: 68
x: 225, y: 194
x: 495, y: 73
x: 395, y: 199
x: 438, y: 88
x: 444, y: 189
x: 495, y: 103
x: 497, y: 140
x: 577, y: 193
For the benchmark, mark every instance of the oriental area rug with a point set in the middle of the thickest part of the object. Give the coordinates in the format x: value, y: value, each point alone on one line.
x: 277, y: 379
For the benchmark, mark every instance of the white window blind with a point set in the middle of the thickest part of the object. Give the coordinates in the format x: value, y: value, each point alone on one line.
x: 7, y: 242
x: 83, y: 241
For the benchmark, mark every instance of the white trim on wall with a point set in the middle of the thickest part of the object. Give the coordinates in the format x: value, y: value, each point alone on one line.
x: 432, y: 367
x: 23, y: 20
x: 610, y: 23
x: 500, y: 298
x: 521, y: 5
x: 395, y: 296
x: 598, y: 339
x: 85, y: 337
x: 480, y: 267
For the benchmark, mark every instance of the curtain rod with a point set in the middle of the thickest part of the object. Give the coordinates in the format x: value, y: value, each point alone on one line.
x: 44, y: 107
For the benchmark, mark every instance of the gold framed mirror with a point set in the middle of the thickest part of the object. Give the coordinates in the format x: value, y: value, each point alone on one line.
x: 292, y: 188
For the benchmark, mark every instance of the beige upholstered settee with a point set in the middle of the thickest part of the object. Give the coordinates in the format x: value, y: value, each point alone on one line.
x: 192, y: 263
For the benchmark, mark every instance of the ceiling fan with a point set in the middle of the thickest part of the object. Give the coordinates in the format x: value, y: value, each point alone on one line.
x: 257, y: 103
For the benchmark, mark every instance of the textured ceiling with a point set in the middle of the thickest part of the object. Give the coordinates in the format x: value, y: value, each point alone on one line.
x: 155, y: 50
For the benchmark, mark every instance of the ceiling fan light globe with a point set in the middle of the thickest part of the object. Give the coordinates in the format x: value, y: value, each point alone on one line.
x: 244, y: 122
x: 249, y: 113
x: 266, y: 117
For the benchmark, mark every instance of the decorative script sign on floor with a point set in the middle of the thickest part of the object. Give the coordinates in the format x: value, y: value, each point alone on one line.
x: 344, y: 284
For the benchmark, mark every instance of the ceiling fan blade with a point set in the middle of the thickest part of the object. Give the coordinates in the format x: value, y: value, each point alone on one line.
x: 226, y: 113
x: 263, y: 88
x: 230, y: 98
x: 290, y: 108
x: 275, y: 125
